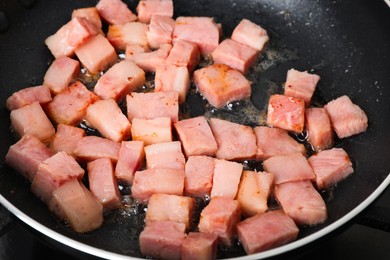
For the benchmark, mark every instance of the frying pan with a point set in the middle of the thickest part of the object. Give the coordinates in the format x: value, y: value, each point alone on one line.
x: 346, y: 42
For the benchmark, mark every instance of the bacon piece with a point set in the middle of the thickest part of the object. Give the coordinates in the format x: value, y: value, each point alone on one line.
x: 234, y: 54
x: 275, y: 141
x: 69, y: 36
x: 153, y: 104
x: 165, y: 155
x: 121, y: 79
x: 152, y: 131
x: 199, y: 246
x: 54, y: 172
x: 115, y: 12
x: 160, y: 30
x: 287, y: 168
x: 74, y: 203
x: 330, y: 167
x: 300, y: 84
x: 96, y: 54
x: 226, y: 178
x: 121, y: 35
x: 32, y: 120
x: 151, y: 181
x: 90, y: 148
x: 163, y: 207
x: 131, y: 158
x: 319, y: 129
x: 302, y: 202
x: 199, y: 171
x: 196, y: 136
x: 60, y: 73
x: 235, y: 141
x: 250, y: 34
x: 27, y: 96
x: 265, y: 231
x: 194, y: 29
x: 253, y: 192
x: 69, y: 106
x: 25, y: 156
x: 150, y: 61
x: 162, y: 240
x: 286, y: 112
x: 89, y: 13
x: 220, y: 217
x: 134, y: 49
x: 108, y: 119
x: 184, y: 53
x: 102, y: 182
x: 220, y: 84
x: 172, y: 78
x: 346, y: 117
x: 66, y: 139
x: 147, y: 8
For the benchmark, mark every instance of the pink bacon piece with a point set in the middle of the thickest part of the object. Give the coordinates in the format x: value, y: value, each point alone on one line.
x: 319, y: 128
x: 250, y: 34
x: 199, y: 246
x: 167, y: 155
x: 90, y: 148
x: 150, y: 61
x: 27, y: 96
x: 89, y: 13
x: 115, y: 12
x: 152, y: 131
x: 147, y: 8
x: 300, y: 84
x: 184, y: 53
x: 160, y: 30
x: 199, y: 171
x: 66, y: 139
x: 226, y: 179
x: 121, y: 35
x: 131, y: 159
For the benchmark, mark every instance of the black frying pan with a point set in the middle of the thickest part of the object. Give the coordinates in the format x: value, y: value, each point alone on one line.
x: 347, y: 42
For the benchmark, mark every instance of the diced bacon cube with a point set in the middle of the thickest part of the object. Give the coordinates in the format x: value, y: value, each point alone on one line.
x: 319, y: 128
x: 330, y: 167
x: 151, y: 181
x: 152, y: 131
x: 234, y: 54
x: 153, y: 104
x: 162, y: 207
x: 131, y: 159
x: 184, y: 53
x: 102, y: 182
x: 275, y: 141
x: 106, y: 116
x: 96, y: 54
x: 70, y: 106
x: 160, y: 31
x: 220, y: 84
x: 300, y: 84
x: 150, y: 61
x: 265, y: 231
x: 147, y: 8
x: 253, y: 192
x: 172, y: 78
x: 199, y: 246
x: 89, y: 13
x: 115, y: 12
x: 302, y: 202
x: 346, y: 117
x: 69, y: 36
x: 74, y: 203
x: 235, y: 141
x: 60, y: 73
x: 25, y: 156
x: 90, y: 148
x: 226, y: 179
x: 287, y: 168
x: 199, y: 172
x: 196, y: 136
x: 32, y: 120
x: 27, y: 96
x: 162, y: 240
x: 134, y: 49
x: 53, y: 172
x: 220, y: 217
x: 286, y: 112
x: 194, y: 29
x: 165, y: 155
x: 66, y: 139
x: 121, y: 35
x: 121, y: 79
x: 250, y: 34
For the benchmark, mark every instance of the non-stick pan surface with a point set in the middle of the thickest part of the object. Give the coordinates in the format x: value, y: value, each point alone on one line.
x: 346, y: 42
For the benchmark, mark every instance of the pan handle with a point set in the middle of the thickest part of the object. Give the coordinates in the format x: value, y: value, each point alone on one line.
x: 6, y: 220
